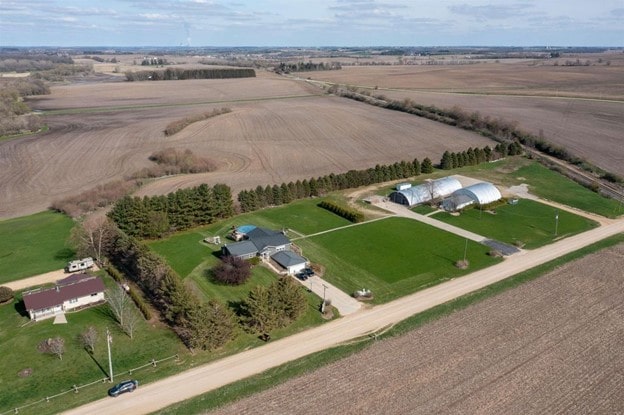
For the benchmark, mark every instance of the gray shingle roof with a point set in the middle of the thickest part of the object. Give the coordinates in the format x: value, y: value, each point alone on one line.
x: 242, y: 248
x: 288, y: 258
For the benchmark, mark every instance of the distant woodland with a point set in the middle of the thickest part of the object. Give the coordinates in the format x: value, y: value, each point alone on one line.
x: 174, y: 74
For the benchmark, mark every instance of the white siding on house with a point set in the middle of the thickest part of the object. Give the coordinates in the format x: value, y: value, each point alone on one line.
x: 83, y: 301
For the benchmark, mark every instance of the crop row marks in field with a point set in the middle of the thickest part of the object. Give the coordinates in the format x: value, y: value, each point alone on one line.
x: 181, y: 104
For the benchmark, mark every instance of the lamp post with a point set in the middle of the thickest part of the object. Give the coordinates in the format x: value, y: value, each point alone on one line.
x: 556, y: 221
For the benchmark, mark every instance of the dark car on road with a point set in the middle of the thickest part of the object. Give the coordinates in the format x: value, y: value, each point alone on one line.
x: 123, y: 387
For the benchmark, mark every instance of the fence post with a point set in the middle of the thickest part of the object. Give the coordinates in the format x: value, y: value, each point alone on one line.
x: 75, y: 389
x: 154, y: 362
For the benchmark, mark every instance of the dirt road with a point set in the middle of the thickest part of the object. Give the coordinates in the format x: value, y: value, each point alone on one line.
x: 193, y: 382
x: 48, y: 277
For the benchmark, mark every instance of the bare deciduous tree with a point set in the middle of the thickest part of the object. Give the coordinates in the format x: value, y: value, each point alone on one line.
x: 119, y: 302
x: 88, y: 338
x: 93, y: 236
x: 130, y: 321
x: 53, y: 345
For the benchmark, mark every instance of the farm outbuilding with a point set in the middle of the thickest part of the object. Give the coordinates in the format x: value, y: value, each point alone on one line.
x: 426, y: 192
x: 481, y: 193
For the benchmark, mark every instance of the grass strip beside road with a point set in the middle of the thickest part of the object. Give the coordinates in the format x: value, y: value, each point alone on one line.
x: 255, y: 384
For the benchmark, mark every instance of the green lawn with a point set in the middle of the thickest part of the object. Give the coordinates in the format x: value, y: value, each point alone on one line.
x: 528, y: 222
x: 185, y: 251
x: 152, y: 340
x: 550, y: 185
x: 392, y: 257
x: 34, y: 244
x: 51, y: 376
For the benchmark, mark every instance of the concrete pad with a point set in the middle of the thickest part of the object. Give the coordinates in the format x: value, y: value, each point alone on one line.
x: 60, y: 319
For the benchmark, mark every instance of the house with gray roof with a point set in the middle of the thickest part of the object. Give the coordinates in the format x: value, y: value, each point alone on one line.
x: 258, y: 242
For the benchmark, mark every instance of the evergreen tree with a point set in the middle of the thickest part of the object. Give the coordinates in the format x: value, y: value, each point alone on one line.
x: 417, y: 168
x: 426, y: 166
x: 446, y: 163
x: 209, y: 326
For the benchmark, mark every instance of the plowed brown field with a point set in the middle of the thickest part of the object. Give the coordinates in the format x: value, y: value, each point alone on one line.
x: 279, y: 130
x: 549, y: 346
x: 590, y: 128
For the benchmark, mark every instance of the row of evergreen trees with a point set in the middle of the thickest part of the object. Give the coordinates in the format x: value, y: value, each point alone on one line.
x: 275, y: 195
x: 175, y: 74
x: 151, y: 217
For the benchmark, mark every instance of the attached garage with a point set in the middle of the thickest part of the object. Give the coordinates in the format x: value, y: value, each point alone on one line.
x: 290, y: 261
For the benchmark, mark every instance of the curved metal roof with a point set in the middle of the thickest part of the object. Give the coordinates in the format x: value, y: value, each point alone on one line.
x: 482, y: 193
x: 425, y: 192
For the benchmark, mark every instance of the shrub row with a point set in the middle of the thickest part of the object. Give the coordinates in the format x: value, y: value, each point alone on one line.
x: 347, y: 213
x: 138, y: 300
x: 179, y: 125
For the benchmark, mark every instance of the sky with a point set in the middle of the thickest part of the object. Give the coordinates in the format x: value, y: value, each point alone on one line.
x: 312, y: 23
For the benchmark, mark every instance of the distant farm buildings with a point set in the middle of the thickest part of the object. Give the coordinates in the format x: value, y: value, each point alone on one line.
x: 449, y: 190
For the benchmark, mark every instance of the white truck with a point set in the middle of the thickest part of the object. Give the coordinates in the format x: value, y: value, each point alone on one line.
x: 79, y: 264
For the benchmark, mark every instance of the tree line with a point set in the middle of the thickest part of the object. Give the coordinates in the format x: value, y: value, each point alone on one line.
x: 151, y: 217
x: 307, y: 67
x: 260, y: 197
x: 474, y: 156
x: 497, y: 129
x: 15, y: 115
x: 174, y: 74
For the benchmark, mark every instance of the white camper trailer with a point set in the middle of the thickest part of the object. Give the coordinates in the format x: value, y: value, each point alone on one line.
x: 79, y: 264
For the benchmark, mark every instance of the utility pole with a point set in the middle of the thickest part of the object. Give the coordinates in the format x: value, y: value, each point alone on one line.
x: 465, y: 250
x: 556, y: 221
x: 109, y: 340
x: 323, y: 305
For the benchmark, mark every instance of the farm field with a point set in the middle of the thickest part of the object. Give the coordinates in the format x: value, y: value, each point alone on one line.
x: 268, y: 140
x: 539, y: 98
x: 392, y: 257
x: 528, y: 223
x: 551, y: 345
x: 34, y: 244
